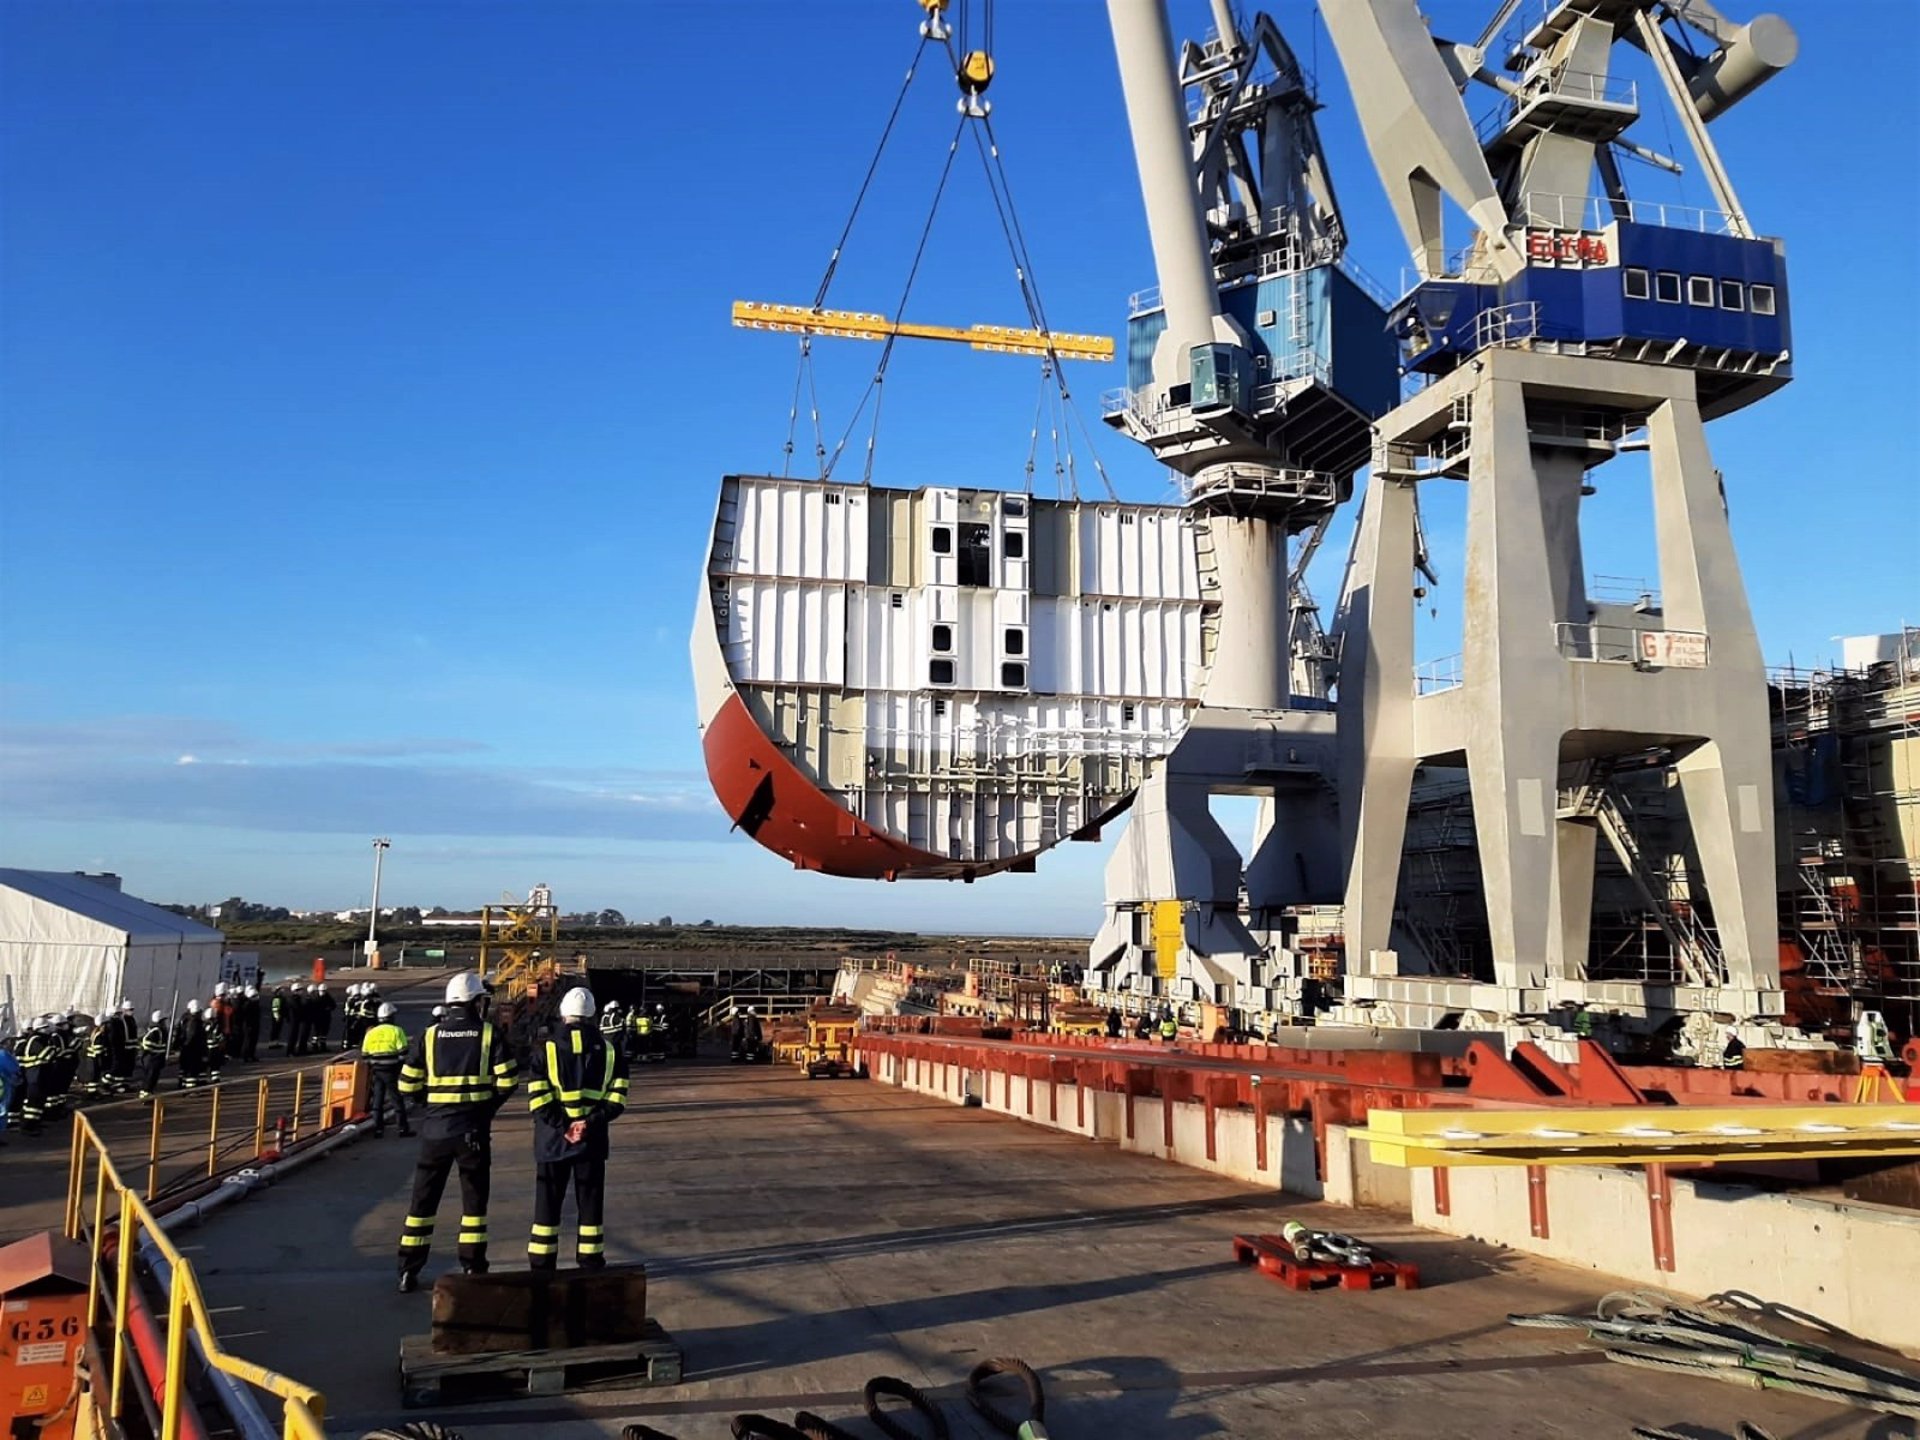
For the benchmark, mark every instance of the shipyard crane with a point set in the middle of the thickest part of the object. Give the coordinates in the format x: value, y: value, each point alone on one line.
x: 1577, y: 321
x: 946, y: 682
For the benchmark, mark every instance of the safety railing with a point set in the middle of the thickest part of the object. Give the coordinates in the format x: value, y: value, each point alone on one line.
x: 1446, y: 673
x: 1514, y: 324
x: 195, y: 1135
x: 106, y: 1214
x: 718, y: 1015
x: 1567, y: 87
x: 1629, y: 645
x: 1596, y: 212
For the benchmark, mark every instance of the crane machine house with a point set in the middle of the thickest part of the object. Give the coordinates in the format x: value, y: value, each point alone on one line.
x: 947, y: 682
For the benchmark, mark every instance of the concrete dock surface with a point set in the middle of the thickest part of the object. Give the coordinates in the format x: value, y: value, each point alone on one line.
x: 802, y: 1236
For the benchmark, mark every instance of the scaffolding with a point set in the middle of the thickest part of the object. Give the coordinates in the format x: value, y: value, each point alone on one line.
x: 1847, y: 742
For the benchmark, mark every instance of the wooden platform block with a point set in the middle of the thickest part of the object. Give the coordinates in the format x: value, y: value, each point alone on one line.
x: 428, y: 1377
x: 538, y: 1310
x: 1274, y: 1258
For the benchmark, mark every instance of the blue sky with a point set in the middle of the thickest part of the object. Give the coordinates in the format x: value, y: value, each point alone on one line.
x: 365, y: 381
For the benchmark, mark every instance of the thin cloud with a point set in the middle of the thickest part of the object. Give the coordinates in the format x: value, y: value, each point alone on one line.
x: 58, y: 773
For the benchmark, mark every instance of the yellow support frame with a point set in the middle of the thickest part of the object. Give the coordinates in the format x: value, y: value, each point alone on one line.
x: 856, y: 325
x: 1639, y: 1134
x: 303, y: 1410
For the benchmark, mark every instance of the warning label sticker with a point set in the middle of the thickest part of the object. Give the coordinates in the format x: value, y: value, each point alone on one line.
x: 33, y: 1399
x: 53, y: 1352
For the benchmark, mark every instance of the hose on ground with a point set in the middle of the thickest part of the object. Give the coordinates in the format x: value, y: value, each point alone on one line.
x: 1006, y: 1424
x: 763, y: 1427
x: 1655, y: 1332
x: 815, y: 1428
x: 897, y: 1389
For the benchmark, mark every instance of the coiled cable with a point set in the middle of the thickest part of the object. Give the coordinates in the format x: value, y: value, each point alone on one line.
x: 898, y: 1389
x: 1006, y: 1424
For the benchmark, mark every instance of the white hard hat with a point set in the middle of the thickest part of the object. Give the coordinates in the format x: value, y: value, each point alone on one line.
x: 220, y: 987
x: 251, y: 992
x: 101, y: 1018
x: 156, y: 1017
x: 659, y: 1007
x: 464, y: 988
x: 438, y: 1011
x: 387, y: 1012
x: 577, y: 1004
x: 126, y: 1005
x: 193, y: 1007
x: 733, y: 1012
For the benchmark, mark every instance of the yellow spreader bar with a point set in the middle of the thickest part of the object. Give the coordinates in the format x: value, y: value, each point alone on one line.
x: 1639, y: 1134
x: 854, y: 325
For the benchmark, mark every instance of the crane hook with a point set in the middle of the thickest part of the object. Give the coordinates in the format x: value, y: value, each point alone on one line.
x: 974, y: 75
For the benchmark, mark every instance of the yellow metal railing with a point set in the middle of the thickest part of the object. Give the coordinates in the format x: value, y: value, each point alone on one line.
x: 196, y: 1135
x: 118, y: 1212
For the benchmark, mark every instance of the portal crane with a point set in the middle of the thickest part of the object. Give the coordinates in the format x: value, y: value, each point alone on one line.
x: 1255, y: 370
x: 1577, y: 321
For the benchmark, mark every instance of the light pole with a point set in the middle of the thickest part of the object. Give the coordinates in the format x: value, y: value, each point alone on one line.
x: 380, y: 845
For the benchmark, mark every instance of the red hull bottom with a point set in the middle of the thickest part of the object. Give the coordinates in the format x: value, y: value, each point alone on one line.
x: 766, y: 794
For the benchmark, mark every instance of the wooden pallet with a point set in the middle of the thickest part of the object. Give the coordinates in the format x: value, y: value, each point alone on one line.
x: 1274, y: 1257
x: 427, y: 1378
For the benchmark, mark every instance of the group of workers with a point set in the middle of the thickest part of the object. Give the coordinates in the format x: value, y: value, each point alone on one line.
x: 62, y: 1060
x: 459, y: 1074
x: 1165, y: 1025
x: 641, y: 1034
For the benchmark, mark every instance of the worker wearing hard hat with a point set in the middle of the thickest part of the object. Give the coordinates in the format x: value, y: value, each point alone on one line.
x: 127, y: 1050
x: 577, y: 1087
x: 461, y: 1070
x: 384, y: 1046
x: 38, y: 1052
x: 153, y: 1054
x: 193, y: 1048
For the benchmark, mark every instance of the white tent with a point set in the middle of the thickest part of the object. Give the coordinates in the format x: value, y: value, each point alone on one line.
x: 69, y: 939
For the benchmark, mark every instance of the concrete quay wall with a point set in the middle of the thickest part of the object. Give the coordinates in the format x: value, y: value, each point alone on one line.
x: 1854, y: 1267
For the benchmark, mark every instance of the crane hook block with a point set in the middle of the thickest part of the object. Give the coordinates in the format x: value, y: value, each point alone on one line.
x: 976, y: 72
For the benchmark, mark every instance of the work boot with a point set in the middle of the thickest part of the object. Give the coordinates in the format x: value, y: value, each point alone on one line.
x: 409, y: 1282
x: 473, y: 1267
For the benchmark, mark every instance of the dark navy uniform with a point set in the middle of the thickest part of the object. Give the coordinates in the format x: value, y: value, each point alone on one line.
x: 577, y: 1076
x: 153, y: 1058
x: 461, y: 1072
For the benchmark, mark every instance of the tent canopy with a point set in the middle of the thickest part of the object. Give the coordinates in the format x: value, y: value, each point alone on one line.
x: 68, y: 939
x: 49, y: 905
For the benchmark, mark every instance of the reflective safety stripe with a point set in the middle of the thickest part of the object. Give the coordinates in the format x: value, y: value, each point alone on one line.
x: 412, y: 1242
x: 538, y: 1247
x: 587, y: 1232
x: 579, y: 1103
x: 544, y: 1231
x: 462, y: 1089
x: 419, y: 1222
x: 590, y: 1247
x: 473, y: 1237
x: 473, y: 1222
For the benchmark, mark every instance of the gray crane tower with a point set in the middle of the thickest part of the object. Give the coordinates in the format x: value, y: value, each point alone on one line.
x: 1255, y: 370
x: 1576, y: 323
